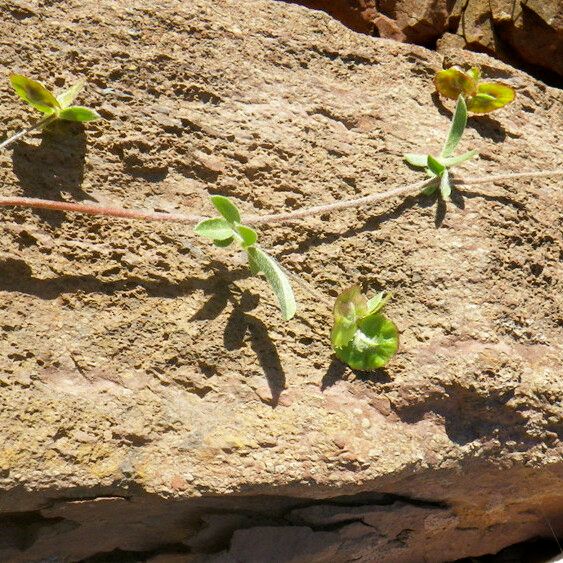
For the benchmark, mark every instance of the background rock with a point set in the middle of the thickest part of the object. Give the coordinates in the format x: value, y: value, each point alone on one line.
x: 153, y: 405
x: 527, y: 34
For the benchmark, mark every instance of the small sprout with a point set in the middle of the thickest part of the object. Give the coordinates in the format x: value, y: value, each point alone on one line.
x: 227, y: 229
x: 437, y: 166
x: 58, y: 107
x: 362, y: 336
x: 53, y: 107
x: 481, y: 97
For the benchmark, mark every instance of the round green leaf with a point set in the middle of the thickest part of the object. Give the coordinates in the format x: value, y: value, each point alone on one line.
x: 34, y: 93
x: 214, y: 229
x: 79, y: 113
x: 375, y: 342
x: 491, y: 96
x: 454, y: 81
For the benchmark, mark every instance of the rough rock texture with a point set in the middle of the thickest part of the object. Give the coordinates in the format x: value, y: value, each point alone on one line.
x: 152, y: 401
x: 525, y: 33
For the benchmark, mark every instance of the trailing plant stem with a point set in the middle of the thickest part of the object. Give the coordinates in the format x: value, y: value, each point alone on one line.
x: 33, y: 127
x: 192, y: 219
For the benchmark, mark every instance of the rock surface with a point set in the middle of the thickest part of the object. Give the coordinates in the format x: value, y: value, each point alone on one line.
x: 153, y: 402
x: 525, y: 33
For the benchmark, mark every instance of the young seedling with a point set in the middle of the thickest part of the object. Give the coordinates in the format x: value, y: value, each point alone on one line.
x: 362, y: 336
x: 228, y: 229
x: 438, y: 166
x: 53, y: 107
x: 481, y: 97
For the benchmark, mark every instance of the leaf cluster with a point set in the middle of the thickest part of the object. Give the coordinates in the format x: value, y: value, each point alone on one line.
x: 438, y: 166
x: 362, y: 336
x: 55, y: 107
x: 481, y: 97
x: 228, y: 229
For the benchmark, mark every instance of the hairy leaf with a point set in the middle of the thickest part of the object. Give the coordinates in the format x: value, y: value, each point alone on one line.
x: 223, y: 243
x: 454, y: 82
x: 475, y: 73
x: 435, y: 166
x: 491, y: 96
x: 248, y: 235
x: 226, y: 208
x: 445, y: 187
x: 418, y: 160
x: 79, y: 113
x: 276, y: 278
x: 429, y: 190
x: 455, y: 160
x: 68, y: 96
x: 459, y: 121
x: 216, y: 229
x: 34, y: 93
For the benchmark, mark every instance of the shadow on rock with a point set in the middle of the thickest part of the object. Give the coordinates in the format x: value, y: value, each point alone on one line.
x: 242, y: 323
x: 16, y: 276
x: 337, y: 370
x: 486, y: 126
x: 469, y: 416
x: 54, y: 167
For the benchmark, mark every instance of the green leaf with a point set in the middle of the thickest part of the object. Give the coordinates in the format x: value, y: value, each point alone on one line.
x: 226, y: 207
x: 248, y: 235
x: 455, y: 160
x: 276, y: 278
x: 214, y: 229
x: 34, y: 93
x: 349, y: 307
x: 224, y: 243
x: 375, y: 342
x: 435, y: 166
x: 475, y: 73
x: 454, y: 82
x: 418, y: 160
x: 445, y: 187
x: 68, y: 96
x: 377, y: 302
x: 429, y: 190
x: 252, y: 264
x: 79, y: 113
x: 459, y: 121
x: 491, y: 96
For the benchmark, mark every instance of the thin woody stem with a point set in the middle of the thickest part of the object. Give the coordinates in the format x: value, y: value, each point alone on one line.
x: 192, y: 219
x: 33, y: 127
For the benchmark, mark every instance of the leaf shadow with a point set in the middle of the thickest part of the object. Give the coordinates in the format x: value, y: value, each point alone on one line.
x: 337, y: 371
x: 486, y: 126
x: 241, y: 324
x: 53, y: 167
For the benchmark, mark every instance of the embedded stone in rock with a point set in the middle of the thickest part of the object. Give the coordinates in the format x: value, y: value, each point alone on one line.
x: 525, y: 33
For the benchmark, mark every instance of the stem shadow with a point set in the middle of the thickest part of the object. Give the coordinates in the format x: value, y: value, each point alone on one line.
x: 54, y: 167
